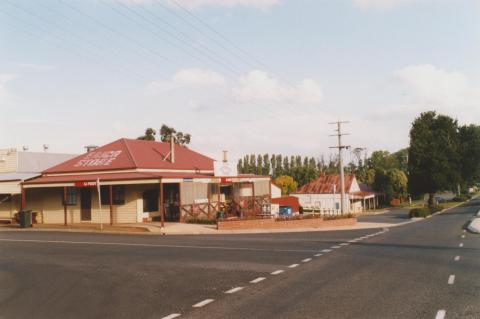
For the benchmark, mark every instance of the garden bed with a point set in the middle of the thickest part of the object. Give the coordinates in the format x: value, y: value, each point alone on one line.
x: 285, y: 223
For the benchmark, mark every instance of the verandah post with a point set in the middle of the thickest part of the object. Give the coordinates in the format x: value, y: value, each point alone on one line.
x: 161, y: 205
x: 65, y: 222
x: 110, y: 202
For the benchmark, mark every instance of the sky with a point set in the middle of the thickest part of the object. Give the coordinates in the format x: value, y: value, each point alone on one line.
x: 247, y: 76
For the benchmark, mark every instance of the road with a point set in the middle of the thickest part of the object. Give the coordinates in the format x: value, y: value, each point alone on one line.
x: 417, y: 270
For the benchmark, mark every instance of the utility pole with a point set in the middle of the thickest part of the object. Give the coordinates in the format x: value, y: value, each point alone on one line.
x: 340, y: 148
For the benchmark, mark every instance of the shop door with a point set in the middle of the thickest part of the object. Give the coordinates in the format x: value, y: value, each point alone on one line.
x: 85, y: 204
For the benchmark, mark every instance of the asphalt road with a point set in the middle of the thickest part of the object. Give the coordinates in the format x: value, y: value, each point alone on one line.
x: 399, y: 273
x: 393, y: 216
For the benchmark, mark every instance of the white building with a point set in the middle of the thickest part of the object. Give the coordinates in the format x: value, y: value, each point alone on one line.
x: 323, y: 195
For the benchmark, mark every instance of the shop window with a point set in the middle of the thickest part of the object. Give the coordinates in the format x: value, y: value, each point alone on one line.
x: 118, y: 195
x: 5, y: 198
x: 150, y: 200
x: 71, y: 198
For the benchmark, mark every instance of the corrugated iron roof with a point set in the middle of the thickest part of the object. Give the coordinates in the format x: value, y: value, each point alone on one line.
x: 36, y: 162
x: 324, y: 184
x: 130, y: 154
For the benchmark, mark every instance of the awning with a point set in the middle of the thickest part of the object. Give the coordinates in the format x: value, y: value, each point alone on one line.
x: 362, y: 195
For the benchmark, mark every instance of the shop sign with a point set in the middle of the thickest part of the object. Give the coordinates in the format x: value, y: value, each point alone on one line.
x: 96, y: 159
x: 225, y: 169
x: 85, y: 184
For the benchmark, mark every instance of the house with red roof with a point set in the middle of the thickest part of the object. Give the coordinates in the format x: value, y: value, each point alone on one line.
x: 323, y: 195
x: 129, y: 181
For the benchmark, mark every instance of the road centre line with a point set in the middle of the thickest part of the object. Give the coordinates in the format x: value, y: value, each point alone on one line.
x: 344, y: 244
x: 257, y: 280
x: 440, y: 314
x: 148, y: 245
x: 451, y: 279
x: 352, y: 241
x: 306, y: 260
x: 318, y: 255
x: 172, y: 316
x: 461, y: 245
x: 457, y: 258
x: 203, y: 303
x: 336, y: 247
x: 463, y: 236
x: 293, y: 266
x: 326, y: 250
x: 234, y: 290
x: 277, y: 272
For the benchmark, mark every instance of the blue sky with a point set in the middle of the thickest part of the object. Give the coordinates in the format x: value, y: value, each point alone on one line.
x: 79, y: 72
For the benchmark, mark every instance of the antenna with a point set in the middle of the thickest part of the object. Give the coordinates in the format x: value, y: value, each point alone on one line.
x: 45, y: 147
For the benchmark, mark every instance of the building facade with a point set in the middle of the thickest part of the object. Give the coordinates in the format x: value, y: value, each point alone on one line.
x: 130, y: 181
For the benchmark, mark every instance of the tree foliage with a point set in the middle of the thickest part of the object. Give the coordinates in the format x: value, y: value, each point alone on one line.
x: 433, y: 154
x: 149, y: 135
x: 286, y: 183
x: 166, y: 133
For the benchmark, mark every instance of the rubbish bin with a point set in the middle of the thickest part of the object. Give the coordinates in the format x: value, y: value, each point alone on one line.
x: 25, y: 218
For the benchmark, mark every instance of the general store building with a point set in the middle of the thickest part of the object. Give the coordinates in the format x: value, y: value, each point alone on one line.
x: 143, y: 181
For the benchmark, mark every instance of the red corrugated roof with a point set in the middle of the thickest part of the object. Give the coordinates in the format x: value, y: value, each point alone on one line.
x: 130, y: 154
x: 113, y: 177
x: 324, y: 185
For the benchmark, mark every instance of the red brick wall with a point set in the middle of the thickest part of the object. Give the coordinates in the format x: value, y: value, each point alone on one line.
x: 292, y: 224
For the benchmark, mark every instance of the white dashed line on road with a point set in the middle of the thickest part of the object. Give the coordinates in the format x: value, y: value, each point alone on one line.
x: 440, y: 314
x: 352, y: 241
x: 336, y: 247
x: 171, y: 316
x: 306, y: 260
x: 344, y: 244
x: 451, y: 279
x: 463, y: 236
x: 318, y: 255
x: 293, y: 266
x: 277, y: 272
x: 457, y: 258
x: 234, y: 290
x: 257, y: 280
x: 326, y: 250
x: 203, y: 303
x: 461, y: 245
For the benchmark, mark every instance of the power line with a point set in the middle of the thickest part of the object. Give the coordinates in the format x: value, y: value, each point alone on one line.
x: 163, y: 38
x: 340, y: 148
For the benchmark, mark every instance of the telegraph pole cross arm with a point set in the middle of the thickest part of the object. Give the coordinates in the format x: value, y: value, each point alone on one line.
x: 340, y: 148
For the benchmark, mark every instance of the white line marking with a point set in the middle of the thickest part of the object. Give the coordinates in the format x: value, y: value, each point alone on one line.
x: 293, y: 266
x: 457, y: 258
x: 451, y: 279
x: 203, y: 303
x: 233, y: 290
x: 277, y: 272
x: 318, y: 255
x: 464, y: 230
x: 336, y: 247
x: 440, y: 314
x: 171, y: 316
x: 463, y: 236
x: 147, y: 245
x: 352, y: 241
x: 344, y: 244
x: 306, y: 260
x: 326, y: 250
x: 461, y: 245
x: 257, y: 280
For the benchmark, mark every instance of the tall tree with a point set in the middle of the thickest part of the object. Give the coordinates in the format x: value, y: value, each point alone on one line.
x: 149, y: 135
x: 286, y: 183
x: 433, y: 154
x: 166, y: 133
x: 469, y: 149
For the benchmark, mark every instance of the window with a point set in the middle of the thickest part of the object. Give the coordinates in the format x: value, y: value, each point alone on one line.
x: 5, y: 198
x: 71, y: 198
x: 118, y: 195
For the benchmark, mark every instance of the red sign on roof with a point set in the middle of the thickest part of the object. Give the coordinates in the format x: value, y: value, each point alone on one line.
x: 131, y: 154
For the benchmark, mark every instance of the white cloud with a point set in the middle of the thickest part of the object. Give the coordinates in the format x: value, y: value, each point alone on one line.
x: 439, y: 88
x: 259, y: 86
x: 188, y: 78
x: 196, y: 4
x: 381, y: 4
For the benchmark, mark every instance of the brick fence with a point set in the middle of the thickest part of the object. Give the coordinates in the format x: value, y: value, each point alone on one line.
x: 291, y: 224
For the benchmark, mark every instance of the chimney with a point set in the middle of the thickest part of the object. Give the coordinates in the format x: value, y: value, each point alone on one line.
x: 90, y: 148
x: 172, y: 149
x: 225, y: 156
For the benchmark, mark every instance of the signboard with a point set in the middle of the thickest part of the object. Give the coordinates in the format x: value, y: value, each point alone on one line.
x: 225, y: 169
x: 96, y: 159
x: 85, y: 184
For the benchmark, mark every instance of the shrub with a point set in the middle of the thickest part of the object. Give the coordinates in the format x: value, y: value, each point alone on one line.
x: 333, y: 217
x: 201, y: 221
x: 462, y: 198
x: 425, y: 211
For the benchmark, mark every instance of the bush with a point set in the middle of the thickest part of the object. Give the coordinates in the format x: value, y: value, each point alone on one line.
x: 462, y: 198
x: 424, y: 211
x: 201, y: 221
x: 333, y: 217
